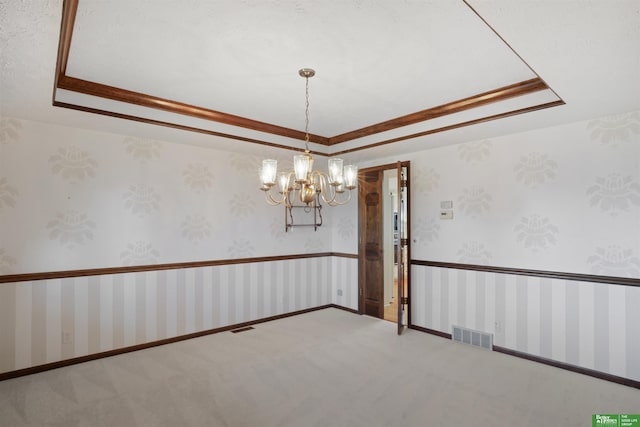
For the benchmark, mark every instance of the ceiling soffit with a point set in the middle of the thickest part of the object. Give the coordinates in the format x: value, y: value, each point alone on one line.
x: 436, y: 67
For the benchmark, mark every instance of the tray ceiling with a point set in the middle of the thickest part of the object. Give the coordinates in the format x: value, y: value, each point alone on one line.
x: 385, y: 71
x: 376, y: 61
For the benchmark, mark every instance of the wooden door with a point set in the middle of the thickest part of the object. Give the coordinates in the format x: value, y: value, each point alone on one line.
x: 371, y: 265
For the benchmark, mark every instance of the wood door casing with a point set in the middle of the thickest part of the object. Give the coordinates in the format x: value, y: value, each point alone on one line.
x: 371, y: 259
x: 370, y: 243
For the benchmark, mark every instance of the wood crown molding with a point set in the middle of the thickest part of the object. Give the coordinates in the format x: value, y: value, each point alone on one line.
x: 122, y: 95
x: 591, y: 278
x: 181, y: 127
x: 63, y: 81
x: 454, y: 126
x: 29, y: 277
x: 501, y: 94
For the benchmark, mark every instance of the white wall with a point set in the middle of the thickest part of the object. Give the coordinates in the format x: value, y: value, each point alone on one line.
x: 560, y: 199
x: 564, y: 199
x: 75, y: 199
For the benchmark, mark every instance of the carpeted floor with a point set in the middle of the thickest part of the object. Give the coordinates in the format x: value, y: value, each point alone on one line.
x: 325, y: 368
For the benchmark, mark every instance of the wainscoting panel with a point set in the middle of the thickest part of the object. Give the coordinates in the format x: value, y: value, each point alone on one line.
x: 345, y: 281
x: 585, y: 324
x: 45, y: 321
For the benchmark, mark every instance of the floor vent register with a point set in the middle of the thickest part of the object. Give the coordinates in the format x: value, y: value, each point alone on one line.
x: 471, y: 337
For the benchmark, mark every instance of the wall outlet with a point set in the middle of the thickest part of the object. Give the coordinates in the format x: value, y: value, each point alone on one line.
x: 339, y: 292
x: 67, y: 338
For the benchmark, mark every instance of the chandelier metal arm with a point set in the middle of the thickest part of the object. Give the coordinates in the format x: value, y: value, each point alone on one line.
x: 271, y: 200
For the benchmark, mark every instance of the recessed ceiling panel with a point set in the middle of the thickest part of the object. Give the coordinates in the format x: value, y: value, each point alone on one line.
x: 375, y: 61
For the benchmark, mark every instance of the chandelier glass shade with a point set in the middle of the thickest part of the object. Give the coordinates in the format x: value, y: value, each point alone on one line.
x: 305, y: 186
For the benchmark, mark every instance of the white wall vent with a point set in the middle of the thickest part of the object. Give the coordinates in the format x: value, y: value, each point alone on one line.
x: 469, y: 336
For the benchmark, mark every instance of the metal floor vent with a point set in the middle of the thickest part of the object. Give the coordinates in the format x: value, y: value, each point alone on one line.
x: 469, y: 336
x: 248, y: 328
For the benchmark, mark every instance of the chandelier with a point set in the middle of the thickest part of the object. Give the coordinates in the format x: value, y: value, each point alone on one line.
x: 303, y: 187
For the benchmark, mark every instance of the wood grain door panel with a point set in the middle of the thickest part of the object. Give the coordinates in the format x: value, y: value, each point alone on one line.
x: 372, y: 266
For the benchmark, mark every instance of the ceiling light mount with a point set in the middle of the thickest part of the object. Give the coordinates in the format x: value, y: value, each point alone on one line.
x: 307, y: 72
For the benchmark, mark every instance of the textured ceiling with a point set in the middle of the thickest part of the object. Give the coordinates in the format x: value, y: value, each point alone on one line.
x: 375, y: 61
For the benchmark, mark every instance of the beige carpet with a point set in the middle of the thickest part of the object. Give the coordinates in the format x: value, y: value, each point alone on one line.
x: 325, y: 368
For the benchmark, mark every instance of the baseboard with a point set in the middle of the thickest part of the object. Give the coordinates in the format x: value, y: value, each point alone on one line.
x: 590, y: 372
x: 566, y: 366
x: 431, y: 331
x: 341, y: 307
x: 68, y: 362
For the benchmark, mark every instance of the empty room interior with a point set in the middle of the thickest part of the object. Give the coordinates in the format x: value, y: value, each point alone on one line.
x: 299, y: 213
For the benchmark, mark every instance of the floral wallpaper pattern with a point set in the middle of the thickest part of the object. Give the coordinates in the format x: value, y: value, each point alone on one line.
x: 615, y: 261
x: 9, y: 130
x: 473, y: 152
x: 141, y: 200
x: 474, y: 253
x: 313, y: 244
x: 426, y: 230
x: 474, y: 201
x: 73, y: 164
x: 198, y: 177
x: 196, y: 227
x: 536, y: 232
x: 6, y: 263
x: 139, y: 253
x: 534, y: 169
x: 247, y: 163
x: 141, y: 149
x: 71, y: 228
x: 424, y: 181
x: 565, y: 198
x: 8, y: 194
x: 146, y: 201
x: 277, y: 229
x: 241, y: 248
x: 616, y: 129
x: 614, y: 193
x: 346, y: 228
x: 242, y: 205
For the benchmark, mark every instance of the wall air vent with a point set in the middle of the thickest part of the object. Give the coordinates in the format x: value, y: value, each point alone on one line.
x: 469, y: 336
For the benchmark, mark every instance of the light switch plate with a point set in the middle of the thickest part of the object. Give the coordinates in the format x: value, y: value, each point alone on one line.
x: 446, y: 215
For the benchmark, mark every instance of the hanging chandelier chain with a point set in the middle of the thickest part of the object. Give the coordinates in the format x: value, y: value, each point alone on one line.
x: 306, y: 116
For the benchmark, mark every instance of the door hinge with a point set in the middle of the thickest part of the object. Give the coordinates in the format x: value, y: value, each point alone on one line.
x: 404, y: 242
x: 404, y: 300
x: 360, y: 291
x: 403, y: 183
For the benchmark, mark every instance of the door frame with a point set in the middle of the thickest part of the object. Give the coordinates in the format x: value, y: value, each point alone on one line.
x: 361, y: 285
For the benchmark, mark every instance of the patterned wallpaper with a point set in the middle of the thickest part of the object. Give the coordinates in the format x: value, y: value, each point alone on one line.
x: 72, y: 199
x: 591, y: 325
x: 56, y: 319
x: 562, y: 199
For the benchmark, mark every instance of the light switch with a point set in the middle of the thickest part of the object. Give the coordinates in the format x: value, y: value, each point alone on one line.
x: 446, y: 214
